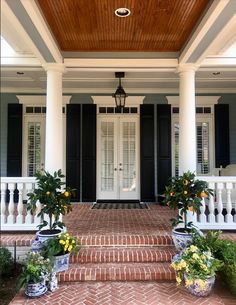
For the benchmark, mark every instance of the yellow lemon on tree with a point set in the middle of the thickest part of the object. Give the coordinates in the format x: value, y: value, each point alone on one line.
x: 185, y: 192
x: 66, y: 194
x: 48, y: 193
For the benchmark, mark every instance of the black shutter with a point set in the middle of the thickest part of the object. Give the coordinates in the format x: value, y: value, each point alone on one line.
x: 222, y: 149
x: 163, y: 146
x: 89, y: 152
x: 147, y: 152
x: 73, y: 139
x: 14, y: 140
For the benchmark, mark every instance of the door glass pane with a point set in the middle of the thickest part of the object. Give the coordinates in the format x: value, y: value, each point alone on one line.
x: 107, y: 156
x: 34, y: 148
x: 203, y: 161
x: 129, y: 155
x: 203, y: 148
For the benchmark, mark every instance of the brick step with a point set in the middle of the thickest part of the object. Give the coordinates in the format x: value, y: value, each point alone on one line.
x: 127, y: 240
x: 118, y: 272
x: 123, y: 255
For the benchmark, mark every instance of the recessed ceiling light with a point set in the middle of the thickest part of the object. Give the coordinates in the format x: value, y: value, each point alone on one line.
x: 122, y: 12
x: 20, y: 73
x: 216, y: 73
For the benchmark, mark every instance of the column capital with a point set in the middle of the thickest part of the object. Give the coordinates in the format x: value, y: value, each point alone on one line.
x: 186, y: 68
x: 54, y: 67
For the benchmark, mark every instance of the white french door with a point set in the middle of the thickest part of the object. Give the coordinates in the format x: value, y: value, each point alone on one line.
x: 117, y: 157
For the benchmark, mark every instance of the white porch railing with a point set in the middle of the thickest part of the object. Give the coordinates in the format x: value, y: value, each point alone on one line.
x: 219, y: 211
x: 216, y: 213
x: 14, y: 215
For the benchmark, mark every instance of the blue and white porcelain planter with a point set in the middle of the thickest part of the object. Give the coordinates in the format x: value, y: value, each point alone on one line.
x: 61, y: 262
x: 200, y: 290
x: 34, y: 290
x: 181, y: 239
x: 42, y: 237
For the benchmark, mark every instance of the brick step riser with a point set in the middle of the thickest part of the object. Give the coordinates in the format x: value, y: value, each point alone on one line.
x: 117, y: 274
x: 129, y: 241
x: 116, y: 256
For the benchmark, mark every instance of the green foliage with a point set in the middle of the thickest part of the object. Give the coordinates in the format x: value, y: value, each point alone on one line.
x: 59, y: 245
x: 225, y: 251
x: 227, y: 254
x: 36, y: 267
x: 185, y: 193
x: 6, y: 262
x: 210, y: 241
x: 55, y: 200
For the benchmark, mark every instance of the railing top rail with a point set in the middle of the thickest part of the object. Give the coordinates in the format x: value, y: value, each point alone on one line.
x: 217, y: 178
x: 18, y: 179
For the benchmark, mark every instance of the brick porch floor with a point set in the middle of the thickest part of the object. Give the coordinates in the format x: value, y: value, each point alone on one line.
x: 104, y: 234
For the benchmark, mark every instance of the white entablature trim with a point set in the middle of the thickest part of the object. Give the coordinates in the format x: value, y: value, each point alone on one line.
x: 200, y: 100
x: 39, y: 99
x: 109, y: 100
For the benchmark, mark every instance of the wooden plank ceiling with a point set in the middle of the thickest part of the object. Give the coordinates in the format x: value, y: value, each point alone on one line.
x: 153, y: 25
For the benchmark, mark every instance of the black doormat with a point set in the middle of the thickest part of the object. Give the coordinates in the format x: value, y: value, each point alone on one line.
x: 119, y: 206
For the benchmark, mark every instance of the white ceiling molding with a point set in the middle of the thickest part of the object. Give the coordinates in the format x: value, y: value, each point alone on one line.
x: 200, y: 33
x: 37, y: 90
x: 20, y: 62
x: 109, y: 100
x: 219, y: 61
x: 33, y: 11
x: 199, y: 100
x: 121, y: 63
x: 39, y: 99
x: 11, y: 21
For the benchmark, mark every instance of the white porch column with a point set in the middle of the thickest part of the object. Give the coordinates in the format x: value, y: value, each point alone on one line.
x: 187, y: 119
x: 54, y: 123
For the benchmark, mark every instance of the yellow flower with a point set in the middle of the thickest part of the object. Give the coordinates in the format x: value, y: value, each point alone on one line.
x: 188, y: 282
x: 193, y: 248
x: 69, y: 248
x: 195, y: 256
x: 61, y: 241
x: 73, y: 241
x: 178, y: 280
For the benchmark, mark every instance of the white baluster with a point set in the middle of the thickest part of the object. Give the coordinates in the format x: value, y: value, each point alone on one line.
x: 3, y: 202
x: 10, y: 218
x: 37, y: 220
x: 28, y: 217
x: 202, y: 216
x: 211, y: 205
x: 220, y: 216
x: 19, y: 217
x: 229, y: 216
x: 235, y: 201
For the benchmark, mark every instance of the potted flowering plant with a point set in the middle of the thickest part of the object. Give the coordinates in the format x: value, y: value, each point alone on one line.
x: 185, y: 193
x: 58, y: 249
x: 196, y: 268
x: 55, y: 200
x: 34, y: 273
